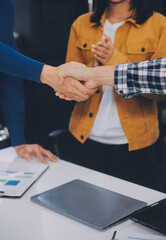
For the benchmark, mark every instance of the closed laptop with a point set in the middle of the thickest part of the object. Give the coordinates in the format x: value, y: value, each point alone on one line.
x: 89, y: 204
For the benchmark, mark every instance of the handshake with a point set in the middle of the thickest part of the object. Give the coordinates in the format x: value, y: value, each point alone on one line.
x: 75, y: 81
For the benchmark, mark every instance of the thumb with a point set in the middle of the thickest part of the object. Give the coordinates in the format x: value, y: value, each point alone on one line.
x: 73, y: 73
x: 107, y: 38
x: 61, y: 80
x: 62, y: 75
x: 90, y: 85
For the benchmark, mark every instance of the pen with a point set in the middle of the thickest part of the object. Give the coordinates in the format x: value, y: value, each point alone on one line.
x: 11, y: 175
x: 1, y: 193
x: 113, y: 236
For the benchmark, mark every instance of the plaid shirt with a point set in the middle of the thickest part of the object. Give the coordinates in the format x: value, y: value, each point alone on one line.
x: 147, y: 77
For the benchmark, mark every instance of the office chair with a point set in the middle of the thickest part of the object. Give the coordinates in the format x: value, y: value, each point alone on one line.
x: 62, y: 141
x: 4, y: 137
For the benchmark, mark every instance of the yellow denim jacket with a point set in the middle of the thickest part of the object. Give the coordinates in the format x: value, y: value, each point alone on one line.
x: 133, y: 43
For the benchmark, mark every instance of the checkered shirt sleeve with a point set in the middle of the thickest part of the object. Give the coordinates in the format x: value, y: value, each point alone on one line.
x: 147, y: 77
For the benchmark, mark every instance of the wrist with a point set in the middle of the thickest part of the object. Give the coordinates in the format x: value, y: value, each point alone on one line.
x: 18, y: 147
x: 43, y: 76
x: 105, y: 75
x: 49, y: 76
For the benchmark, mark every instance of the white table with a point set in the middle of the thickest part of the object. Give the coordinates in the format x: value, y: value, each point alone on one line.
x: 21, y: 219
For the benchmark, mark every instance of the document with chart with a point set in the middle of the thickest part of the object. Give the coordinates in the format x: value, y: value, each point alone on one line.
x: 16, y: 178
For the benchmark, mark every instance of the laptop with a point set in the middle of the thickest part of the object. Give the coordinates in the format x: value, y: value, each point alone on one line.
x: 89, y: 204
x: 153, y: 216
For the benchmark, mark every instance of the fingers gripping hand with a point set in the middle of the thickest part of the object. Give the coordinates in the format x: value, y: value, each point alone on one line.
x: 75, y: 90
x: 89, y: 85
x: 62, y: 96
x: 103, y: 50
x: 71, y: 80
x: 26, y: 151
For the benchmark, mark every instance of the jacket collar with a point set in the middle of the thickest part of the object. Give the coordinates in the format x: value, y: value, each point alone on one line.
x: 130, y: 19
x: 102, y: 21
x: 103, y: 18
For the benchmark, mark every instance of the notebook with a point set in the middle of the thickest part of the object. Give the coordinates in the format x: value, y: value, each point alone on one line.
x: 153, y: 216
x: 89, y: 204
x: 16, y: 177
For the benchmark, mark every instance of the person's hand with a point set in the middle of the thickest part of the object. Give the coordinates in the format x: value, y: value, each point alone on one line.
x: 92, y: 77
x: 86, y: 75
x: 27, y: 151
x: 87, y: 83
x: 103, y: 50
x: 75, y: 92
x: 49, y: 74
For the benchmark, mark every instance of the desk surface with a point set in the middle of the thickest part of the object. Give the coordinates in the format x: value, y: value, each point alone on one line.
x: 21, y: 219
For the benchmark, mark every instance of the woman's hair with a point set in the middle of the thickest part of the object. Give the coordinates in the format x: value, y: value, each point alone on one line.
x: 142, y: 9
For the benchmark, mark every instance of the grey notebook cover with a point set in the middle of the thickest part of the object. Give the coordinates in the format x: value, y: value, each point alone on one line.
x: 89, y: 204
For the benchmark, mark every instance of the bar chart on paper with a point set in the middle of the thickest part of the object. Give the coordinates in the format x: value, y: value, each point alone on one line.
x: 16, y: 178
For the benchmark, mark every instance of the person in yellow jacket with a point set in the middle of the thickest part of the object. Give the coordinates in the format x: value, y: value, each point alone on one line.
x: 116, y: 135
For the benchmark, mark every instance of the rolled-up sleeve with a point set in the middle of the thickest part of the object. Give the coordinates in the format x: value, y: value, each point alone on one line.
x: 147, y: 77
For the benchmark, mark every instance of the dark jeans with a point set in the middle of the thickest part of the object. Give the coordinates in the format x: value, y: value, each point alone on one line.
x: 138, y: 166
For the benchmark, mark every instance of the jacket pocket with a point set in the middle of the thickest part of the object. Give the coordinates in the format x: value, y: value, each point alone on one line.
x: 85, y: 46
x: 138, y: 52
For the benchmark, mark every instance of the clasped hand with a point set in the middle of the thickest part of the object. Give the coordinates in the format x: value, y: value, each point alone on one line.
x: 81, y: 81
x: 71, y: 87
x: 73, y: 82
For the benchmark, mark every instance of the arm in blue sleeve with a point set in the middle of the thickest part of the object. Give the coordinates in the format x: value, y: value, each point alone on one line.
x: 12, y: 103
x: 18, y: 65
x: 12, y: 97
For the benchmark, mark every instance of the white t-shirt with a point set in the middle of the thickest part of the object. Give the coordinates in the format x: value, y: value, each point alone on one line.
x: 107, y: 128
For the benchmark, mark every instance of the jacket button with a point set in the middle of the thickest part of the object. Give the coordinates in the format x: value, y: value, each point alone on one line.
x: 82, y: 137
x: 143, y: 49
x: 90, y: 115
x: 85, y: 45
x: 98, y: 91
x: 125, y: 120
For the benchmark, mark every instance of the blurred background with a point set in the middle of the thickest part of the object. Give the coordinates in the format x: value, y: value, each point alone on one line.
x: 41, y: 30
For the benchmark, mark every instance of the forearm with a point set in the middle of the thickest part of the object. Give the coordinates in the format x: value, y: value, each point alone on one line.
x: 103, y: 75
x: 147, y: 77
